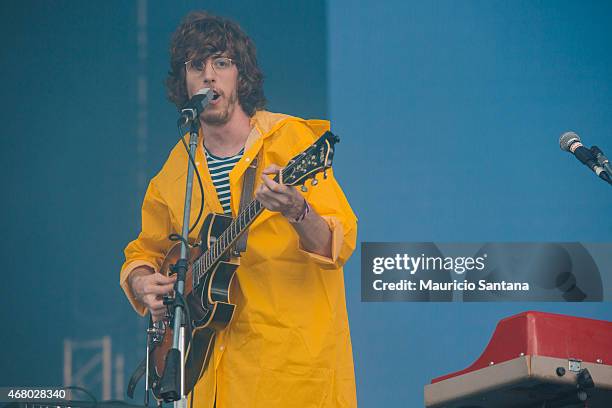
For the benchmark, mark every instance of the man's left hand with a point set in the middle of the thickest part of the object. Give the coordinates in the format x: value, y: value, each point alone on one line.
x: 279, y: 197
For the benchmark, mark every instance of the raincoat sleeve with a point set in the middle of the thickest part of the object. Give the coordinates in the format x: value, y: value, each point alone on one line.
x: 328, y: 200
x: 152, y: 243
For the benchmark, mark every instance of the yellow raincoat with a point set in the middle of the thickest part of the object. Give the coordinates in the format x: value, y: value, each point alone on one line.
x: 288, y: 344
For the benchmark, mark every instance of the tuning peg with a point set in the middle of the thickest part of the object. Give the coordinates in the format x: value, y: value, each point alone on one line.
x: 314, y: 182
x: 304, y: 188
x: 325, y: 174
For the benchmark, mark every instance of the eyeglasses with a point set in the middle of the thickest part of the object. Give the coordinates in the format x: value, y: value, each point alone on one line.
x: 219, y: 64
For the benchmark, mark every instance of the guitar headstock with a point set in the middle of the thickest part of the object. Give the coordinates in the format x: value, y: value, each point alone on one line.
x: 306, y: 165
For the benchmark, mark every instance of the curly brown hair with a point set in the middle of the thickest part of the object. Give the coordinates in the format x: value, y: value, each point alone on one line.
x: 201, y: 35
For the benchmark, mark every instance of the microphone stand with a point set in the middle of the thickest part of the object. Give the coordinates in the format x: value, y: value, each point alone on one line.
x: 172, y: 383
x: 602, y: 160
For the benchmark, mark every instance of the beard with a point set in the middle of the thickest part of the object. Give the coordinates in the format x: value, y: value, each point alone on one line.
x: 220, y: 116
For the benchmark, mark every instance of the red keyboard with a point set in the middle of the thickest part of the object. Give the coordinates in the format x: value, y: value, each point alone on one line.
x: 534, y: 358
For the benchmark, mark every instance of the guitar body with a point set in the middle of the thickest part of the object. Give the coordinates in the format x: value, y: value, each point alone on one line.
x: 209, y: 304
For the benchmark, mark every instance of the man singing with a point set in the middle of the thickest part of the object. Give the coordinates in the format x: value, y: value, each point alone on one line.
x: 288, y: 344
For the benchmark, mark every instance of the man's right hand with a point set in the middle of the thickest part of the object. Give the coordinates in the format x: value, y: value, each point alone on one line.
x: 149, y: 287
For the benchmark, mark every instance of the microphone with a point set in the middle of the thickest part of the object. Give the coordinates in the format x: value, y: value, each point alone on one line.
x: 570, y: 142
x: 195, y: 106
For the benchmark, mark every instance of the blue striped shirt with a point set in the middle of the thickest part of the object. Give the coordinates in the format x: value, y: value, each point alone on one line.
x: 219, y: 168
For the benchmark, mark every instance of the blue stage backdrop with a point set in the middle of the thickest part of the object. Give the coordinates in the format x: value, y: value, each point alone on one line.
x: 449, y: 114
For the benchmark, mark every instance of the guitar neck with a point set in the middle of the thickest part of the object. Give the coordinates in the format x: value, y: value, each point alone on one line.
x: 304, y: 166
x: 227, y: 239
